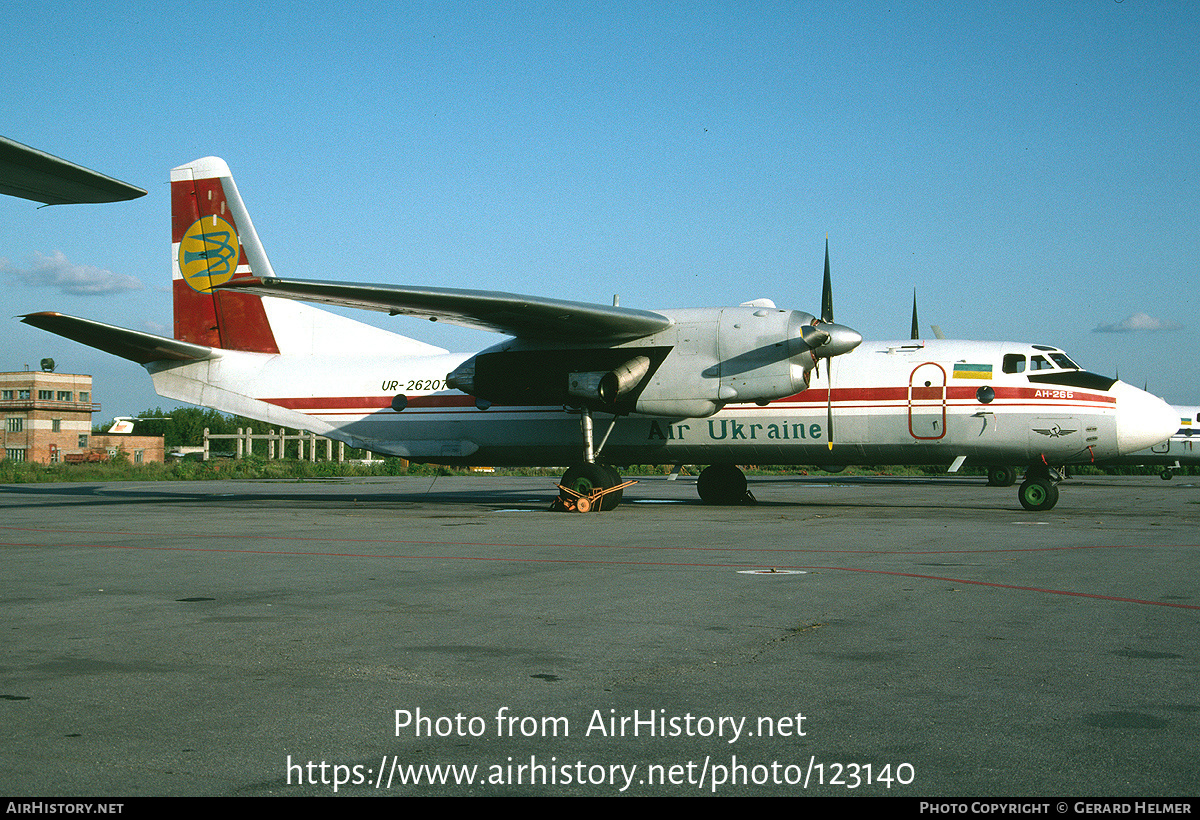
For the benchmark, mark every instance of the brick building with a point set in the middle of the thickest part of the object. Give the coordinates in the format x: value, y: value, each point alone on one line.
x: 48, y: 417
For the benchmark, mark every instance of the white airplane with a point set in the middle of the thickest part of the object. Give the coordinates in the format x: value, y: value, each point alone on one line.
x: 721, y: 386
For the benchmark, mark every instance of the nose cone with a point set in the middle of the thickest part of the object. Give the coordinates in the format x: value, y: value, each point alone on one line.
x: 841, y: 340
x: 1143, y: 420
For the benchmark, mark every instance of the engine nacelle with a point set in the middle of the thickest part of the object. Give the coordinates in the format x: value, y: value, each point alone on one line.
x: 708, y: 358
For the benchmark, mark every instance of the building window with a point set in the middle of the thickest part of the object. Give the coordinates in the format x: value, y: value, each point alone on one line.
x: 22, y: 395
x: 84, y: 396
x: 14, y: 424
x: 45, y: 395
x: 83, y: 439
x: 6, y: 395
x: 55, y: 425
x: 65, y: 395
x: 14, y: 453
x: 138, y: 456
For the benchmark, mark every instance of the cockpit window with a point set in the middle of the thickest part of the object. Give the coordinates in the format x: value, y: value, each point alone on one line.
x: 1063, y: 361
x: 1014, y: 363
x: 1039, y: 363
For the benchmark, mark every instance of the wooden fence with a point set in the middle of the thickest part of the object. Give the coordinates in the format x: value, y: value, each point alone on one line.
x: 277, y: 443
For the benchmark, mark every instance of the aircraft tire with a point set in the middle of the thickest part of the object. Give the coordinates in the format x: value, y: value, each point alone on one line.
x: 613, y: 499
x: 583, y: 478
x: 1038, y: 494
x: 1167, y: 475
x: 722, y: 484
x: 1002, y: 476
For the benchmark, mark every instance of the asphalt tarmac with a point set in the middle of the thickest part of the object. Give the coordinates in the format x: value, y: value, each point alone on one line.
x: 910, y: 637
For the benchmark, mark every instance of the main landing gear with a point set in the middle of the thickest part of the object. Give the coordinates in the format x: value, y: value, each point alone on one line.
x: 723, y: 484
x: 588, y: 485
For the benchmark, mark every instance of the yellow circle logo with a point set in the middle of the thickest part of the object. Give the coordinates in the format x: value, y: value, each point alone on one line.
x: 208, y: 253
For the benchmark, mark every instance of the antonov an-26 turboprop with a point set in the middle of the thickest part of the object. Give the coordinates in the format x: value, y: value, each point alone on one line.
x: 720, y: 386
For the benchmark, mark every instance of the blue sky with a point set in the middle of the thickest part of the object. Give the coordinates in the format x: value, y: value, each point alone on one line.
x: 1029, y: 168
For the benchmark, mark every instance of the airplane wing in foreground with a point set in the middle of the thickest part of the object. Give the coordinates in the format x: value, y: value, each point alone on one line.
x: 128, y: 344
x: 529, y: 317
x: 32, y: 174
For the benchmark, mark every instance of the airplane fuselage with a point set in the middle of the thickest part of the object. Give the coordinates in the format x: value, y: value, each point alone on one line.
x: 892, y: 402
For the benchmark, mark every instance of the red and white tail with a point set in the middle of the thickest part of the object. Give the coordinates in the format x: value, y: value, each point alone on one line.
x: 214, y: 241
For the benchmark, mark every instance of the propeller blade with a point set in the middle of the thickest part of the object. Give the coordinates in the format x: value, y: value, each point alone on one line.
x: 916, y: 329
x: 829, y: 402
x: 827, y: 290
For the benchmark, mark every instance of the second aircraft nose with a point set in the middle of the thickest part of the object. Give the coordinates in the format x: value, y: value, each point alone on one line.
x: 1143, y: 420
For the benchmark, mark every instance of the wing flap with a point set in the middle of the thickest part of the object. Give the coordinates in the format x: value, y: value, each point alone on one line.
x: 128, y: 344
x: 530, y: 317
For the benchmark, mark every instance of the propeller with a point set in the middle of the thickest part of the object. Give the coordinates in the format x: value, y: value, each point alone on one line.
x: 830, y: 338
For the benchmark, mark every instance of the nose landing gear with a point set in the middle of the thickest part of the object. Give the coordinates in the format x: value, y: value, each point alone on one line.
x: 1039, y: 491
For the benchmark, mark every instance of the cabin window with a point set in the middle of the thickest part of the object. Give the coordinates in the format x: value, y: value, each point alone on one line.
x: 1014, y: 363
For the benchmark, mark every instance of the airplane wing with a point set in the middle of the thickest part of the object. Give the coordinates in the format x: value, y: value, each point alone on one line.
x: 128, y: 344
x: 530, y: 317
x: 32, y: 174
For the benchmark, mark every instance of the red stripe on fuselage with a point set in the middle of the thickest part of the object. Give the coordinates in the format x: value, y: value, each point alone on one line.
x: 861, y: 397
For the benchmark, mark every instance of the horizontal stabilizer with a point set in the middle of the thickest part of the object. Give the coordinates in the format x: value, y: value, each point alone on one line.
x: 529, y: 317
x: 128, y: 344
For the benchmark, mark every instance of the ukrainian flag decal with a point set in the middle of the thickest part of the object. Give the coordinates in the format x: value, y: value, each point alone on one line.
x: 208, y: 253
x: 972, y: 371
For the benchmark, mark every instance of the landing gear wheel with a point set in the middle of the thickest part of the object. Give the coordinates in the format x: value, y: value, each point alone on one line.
x: 1002, y: 476
x: 1167, y: 475
x: 583, y: 478
x: 723, y: 484
x: 611, y: 500
x: 1038, y: 494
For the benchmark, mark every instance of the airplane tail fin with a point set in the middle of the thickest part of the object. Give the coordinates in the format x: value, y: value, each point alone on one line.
x: 213, y: 241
